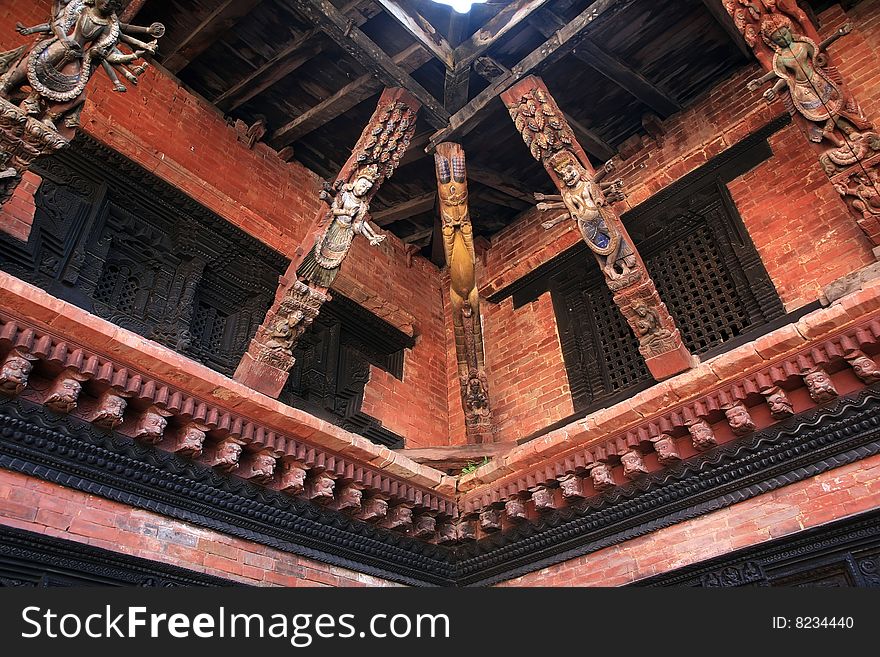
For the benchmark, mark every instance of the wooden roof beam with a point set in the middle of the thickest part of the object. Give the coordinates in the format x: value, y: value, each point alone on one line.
x: 591, y: 141
x: 420, y: 29
x: 499, y: 25
x: 208, y: 31
x: 357, y: 44
x: 409, y: 208
x: 628, y: 79
x: 343, y: 100
x: 719, y: 13
x: 503, y: 184
x: 455, y: 86
x: 559, y: 44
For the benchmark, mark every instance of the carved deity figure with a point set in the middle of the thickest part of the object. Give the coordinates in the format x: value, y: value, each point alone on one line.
x: 815, y: 91
x: 111, y: 408
x: 739, y: 420
x: 283, y: 333
x: 652, y: 336
x: 702, y: 435
x: 633, y: 465
x: 14, y: 373
x: 515, y: 509
x: 490, y: 519
x: 349, y: 209
x: 374, y: 508
x: 779, y: 403
x: 476, y: 393
x: 293, y: 477
x: 572, y: 486
x: 820, y: 386
x: 191, y: 441
x: 864, y: 367
x: 667, y: 452
x: 602, y: 477
x: 228, y: 455
x: 424, y: 526
x: 151, y: 426
x: 860, y: 191
x: 584, y: 198
x: 63, y: 395
x: 49, y: 78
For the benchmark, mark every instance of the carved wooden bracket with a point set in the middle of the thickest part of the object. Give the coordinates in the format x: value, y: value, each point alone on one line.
x: 586, y: 198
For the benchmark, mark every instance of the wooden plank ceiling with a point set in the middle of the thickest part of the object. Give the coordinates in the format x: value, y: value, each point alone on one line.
x: 312, y: 70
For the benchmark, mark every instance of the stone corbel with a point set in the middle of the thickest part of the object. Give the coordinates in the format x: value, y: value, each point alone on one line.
x: 291, y: 476
x: 110, y: 410
x: 15, y: 371
x: 543, y: 498
x: 189, y: 440
x: 572, y: 486
x: 258, y: 467
x: 515, y: 509
x: 349, y: 498
x: 319, y: 487
x: 602, y: 477
x: 633, y: 465
x: 65, y: 391
x: 666, y: 449
x: 490, y: 519
x: 819, y: 385
x: 374, y: 508
x: 424, y: 526
x: 399, y: 517
x: 224, y: 455
x: 151, y: 425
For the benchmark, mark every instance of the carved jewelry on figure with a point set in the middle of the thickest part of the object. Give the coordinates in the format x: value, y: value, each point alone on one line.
x: 64, y: 393
x: 110, y: 410
x: 739, y: 419
x: 820, y: 386
x: 14, y: 372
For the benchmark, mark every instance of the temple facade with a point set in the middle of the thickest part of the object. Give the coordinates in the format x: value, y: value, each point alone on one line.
x: 520, y: 301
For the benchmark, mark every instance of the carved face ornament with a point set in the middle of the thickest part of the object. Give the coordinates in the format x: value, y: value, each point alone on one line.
x: 14, y: 374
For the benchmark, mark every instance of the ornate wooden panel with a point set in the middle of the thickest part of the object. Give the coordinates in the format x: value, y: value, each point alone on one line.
x: 332, y: 366
x: 111, y: 238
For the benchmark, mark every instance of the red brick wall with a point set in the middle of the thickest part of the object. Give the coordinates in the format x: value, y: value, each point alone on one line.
x: 800, y: 226
x: 187, y: 142
x: 53, y: 510
x: 17, y: 214
x: 830, y: 496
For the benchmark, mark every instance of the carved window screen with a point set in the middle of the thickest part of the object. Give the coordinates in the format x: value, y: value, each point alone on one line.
x: 706, y: 270
x: 332, y: 367
x: 115, y: 240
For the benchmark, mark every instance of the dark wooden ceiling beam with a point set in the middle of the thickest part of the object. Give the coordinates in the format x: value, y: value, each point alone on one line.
x: 131, y: 10
x: 357, y: 44
x: 559, y: 44
x: 420, y: 29
x: 504, y: 184
x: 627, y: 78
x: 343, y: 100
x: 420, y: 237
x: 719, y: 13
x: 455, y: 86
x: 590, y: 140
x: 208, y: 31
x: 499, y: 25
x: 400, y: 211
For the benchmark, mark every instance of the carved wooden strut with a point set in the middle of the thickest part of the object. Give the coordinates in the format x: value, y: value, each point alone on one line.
x: 43, y: 85
x: 586, y: 197
x: 458, y: 245
x: 304, y: 289
x: 803, y: 74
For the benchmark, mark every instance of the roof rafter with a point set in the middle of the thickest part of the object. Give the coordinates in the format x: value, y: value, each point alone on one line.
x: 369, y: 55
x: 499, y: 25
x: 420, y: 29
x: 633, y: 82
x: 343, y: 100
x: 208, y: 31
x: 556, y: 46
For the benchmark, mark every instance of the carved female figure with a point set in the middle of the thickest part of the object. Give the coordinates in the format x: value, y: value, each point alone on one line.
x: 815, y: 91
x: 348, y: 217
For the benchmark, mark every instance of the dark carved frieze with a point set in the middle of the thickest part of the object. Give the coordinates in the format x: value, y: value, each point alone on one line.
x: 30, y: 559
